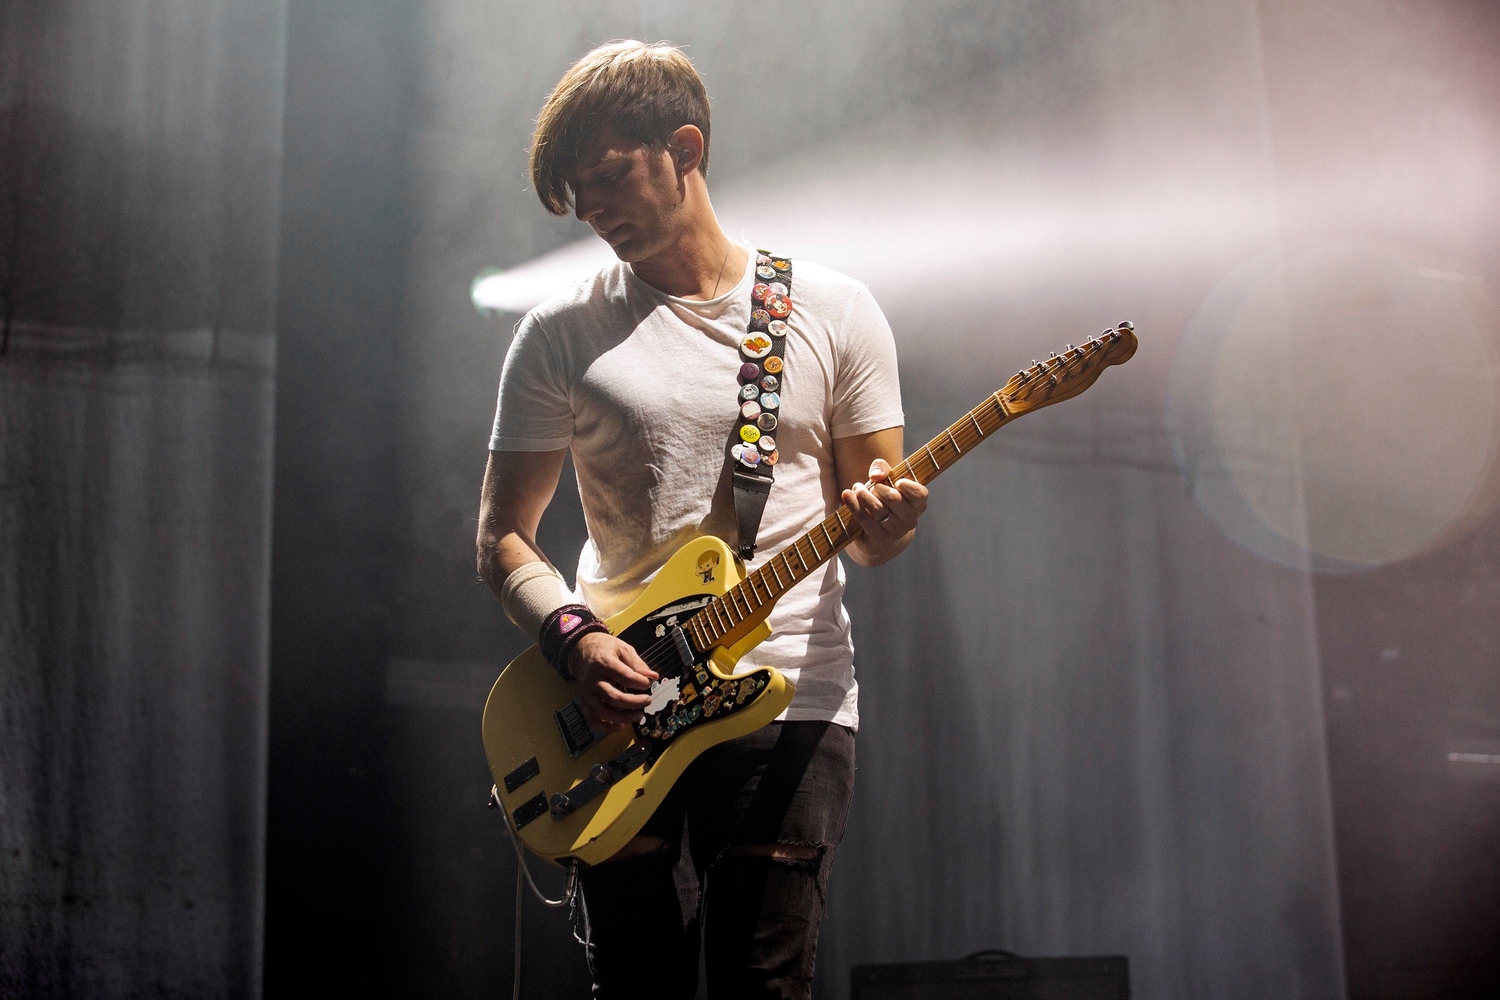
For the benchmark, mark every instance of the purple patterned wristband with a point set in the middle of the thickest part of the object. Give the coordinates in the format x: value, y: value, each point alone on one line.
x: 561, y: 632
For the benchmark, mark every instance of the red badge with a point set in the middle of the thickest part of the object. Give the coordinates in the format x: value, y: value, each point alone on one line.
x: 779, y: 306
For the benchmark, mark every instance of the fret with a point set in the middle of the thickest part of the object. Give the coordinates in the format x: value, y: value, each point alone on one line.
x: 977, y: 428
x: 720, y: 618
x: 788, y: 560
x: 750, y: 579
x: 776, y: 573
x: 760, y: 577
x: 734, y: 592
x: 831, y: 545
x: 954, y: 443
x: 1004, y: 413
x: 928, y: 451
x: 798, y: 549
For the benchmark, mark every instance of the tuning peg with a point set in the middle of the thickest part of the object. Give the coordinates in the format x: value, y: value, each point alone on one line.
x: 1069, y: 347
x: 1126, y: 325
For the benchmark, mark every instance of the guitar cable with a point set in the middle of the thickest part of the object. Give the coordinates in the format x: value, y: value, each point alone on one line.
x: 523, y: 878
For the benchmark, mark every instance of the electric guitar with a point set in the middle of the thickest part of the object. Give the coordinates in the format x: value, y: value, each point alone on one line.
x: 572, y: 793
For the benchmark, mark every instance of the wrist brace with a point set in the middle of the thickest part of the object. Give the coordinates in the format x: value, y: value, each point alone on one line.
x: 532, y: 593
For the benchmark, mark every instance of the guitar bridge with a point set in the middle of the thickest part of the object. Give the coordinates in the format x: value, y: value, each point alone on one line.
x: 576, y: 734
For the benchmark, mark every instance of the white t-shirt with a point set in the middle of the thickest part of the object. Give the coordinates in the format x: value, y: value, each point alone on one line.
x: 643, y: 387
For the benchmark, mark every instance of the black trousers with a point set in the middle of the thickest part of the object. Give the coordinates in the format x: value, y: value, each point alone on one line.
x: 720, y: 876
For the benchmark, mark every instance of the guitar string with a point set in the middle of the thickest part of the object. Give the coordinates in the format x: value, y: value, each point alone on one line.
x: 661, y: 653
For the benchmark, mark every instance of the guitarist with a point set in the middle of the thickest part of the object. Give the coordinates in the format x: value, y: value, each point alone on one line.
x: 634, y: 372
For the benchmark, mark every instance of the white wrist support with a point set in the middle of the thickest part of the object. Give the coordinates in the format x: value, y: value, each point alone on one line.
x: 531, y: 593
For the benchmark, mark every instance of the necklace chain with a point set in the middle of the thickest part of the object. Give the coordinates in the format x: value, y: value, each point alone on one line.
x: 722, y: 265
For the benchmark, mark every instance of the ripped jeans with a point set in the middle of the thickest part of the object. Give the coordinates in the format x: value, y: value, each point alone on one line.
x: 763, y: 814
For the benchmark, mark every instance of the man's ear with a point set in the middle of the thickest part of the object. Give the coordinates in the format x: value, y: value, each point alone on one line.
x: 686, y: 146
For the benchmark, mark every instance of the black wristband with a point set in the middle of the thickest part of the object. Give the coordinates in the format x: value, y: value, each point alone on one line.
x: 561, y: 631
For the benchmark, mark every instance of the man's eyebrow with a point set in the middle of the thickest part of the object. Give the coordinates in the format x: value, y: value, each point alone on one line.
x: 604, y: 159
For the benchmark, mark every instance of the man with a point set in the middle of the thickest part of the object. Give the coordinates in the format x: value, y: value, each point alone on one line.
x: 635, y: 370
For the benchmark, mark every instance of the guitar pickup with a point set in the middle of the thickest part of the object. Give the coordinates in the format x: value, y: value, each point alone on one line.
x: 576, y: 734
x: 684, y: 651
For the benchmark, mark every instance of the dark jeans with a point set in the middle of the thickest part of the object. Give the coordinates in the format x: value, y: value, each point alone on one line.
x: 763, y: 815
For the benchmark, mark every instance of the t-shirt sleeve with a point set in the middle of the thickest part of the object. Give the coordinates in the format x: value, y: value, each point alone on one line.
x: 533, y: 412
x: 866, y: 390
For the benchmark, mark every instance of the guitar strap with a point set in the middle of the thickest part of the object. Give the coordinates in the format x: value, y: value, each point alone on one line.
x: 762, y: 377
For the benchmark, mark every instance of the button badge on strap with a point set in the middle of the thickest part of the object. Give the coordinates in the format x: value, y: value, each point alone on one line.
x: 770, y: 401
x: 757, y: 345
x: 772, y: 365
x: 750, y: 433
x: 750, y: 410
x: 779, y: 306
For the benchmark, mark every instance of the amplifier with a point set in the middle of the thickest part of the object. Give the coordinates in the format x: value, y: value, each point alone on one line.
x: 995, y: 975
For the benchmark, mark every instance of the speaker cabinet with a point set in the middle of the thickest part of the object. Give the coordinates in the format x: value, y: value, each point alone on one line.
x: 995, y: 977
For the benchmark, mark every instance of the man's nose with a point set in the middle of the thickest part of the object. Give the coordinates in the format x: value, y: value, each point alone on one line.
x: 585, y: 205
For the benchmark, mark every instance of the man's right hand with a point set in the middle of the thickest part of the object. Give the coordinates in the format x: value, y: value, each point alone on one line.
x: 612, y: 680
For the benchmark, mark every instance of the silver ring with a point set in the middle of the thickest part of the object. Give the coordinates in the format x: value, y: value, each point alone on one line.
x: 882, y: 520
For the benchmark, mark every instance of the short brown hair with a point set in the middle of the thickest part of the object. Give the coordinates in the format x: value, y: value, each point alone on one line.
x: 646, y: 92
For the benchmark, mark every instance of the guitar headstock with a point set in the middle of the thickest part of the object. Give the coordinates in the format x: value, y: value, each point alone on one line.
x: 1063, y: 376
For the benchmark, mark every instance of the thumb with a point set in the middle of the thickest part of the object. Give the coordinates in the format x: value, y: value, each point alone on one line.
x: 880, y: 470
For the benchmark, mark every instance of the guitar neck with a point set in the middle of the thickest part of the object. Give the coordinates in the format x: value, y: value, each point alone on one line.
x: 726, y: 619
x: 747, y: 603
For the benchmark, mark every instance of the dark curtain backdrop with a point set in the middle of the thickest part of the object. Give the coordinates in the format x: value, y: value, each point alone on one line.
x: 140, y: 147
x: 1091, y: 721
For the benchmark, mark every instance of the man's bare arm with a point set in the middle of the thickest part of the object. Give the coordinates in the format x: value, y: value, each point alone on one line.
x: 518, y: 486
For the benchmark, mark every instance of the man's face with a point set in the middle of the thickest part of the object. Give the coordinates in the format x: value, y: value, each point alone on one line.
x: 629, y: 194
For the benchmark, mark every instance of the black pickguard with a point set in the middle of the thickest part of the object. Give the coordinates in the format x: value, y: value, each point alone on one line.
x: 702, y: 695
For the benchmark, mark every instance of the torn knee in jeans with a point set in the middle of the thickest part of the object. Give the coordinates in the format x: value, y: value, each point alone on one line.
x: 808, y: 855
x: 640, y: 847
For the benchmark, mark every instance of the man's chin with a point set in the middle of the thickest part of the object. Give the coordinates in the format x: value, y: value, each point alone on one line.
x: 633, y: 249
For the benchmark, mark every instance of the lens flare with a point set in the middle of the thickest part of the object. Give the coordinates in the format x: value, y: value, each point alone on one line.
x: 1335, y: 406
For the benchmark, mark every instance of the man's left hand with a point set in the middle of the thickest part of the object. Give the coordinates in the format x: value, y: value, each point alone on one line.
x: 886, y: 512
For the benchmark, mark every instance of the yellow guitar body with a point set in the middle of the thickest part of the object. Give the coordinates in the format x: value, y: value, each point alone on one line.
x: 574, y: 794
x: 528, y: 708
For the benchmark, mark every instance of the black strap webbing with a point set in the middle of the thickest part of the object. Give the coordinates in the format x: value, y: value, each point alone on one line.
x: 750, y: 492
x: 770, y: 305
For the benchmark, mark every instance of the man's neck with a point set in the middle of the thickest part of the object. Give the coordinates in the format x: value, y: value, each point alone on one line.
x: 700, y: 264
